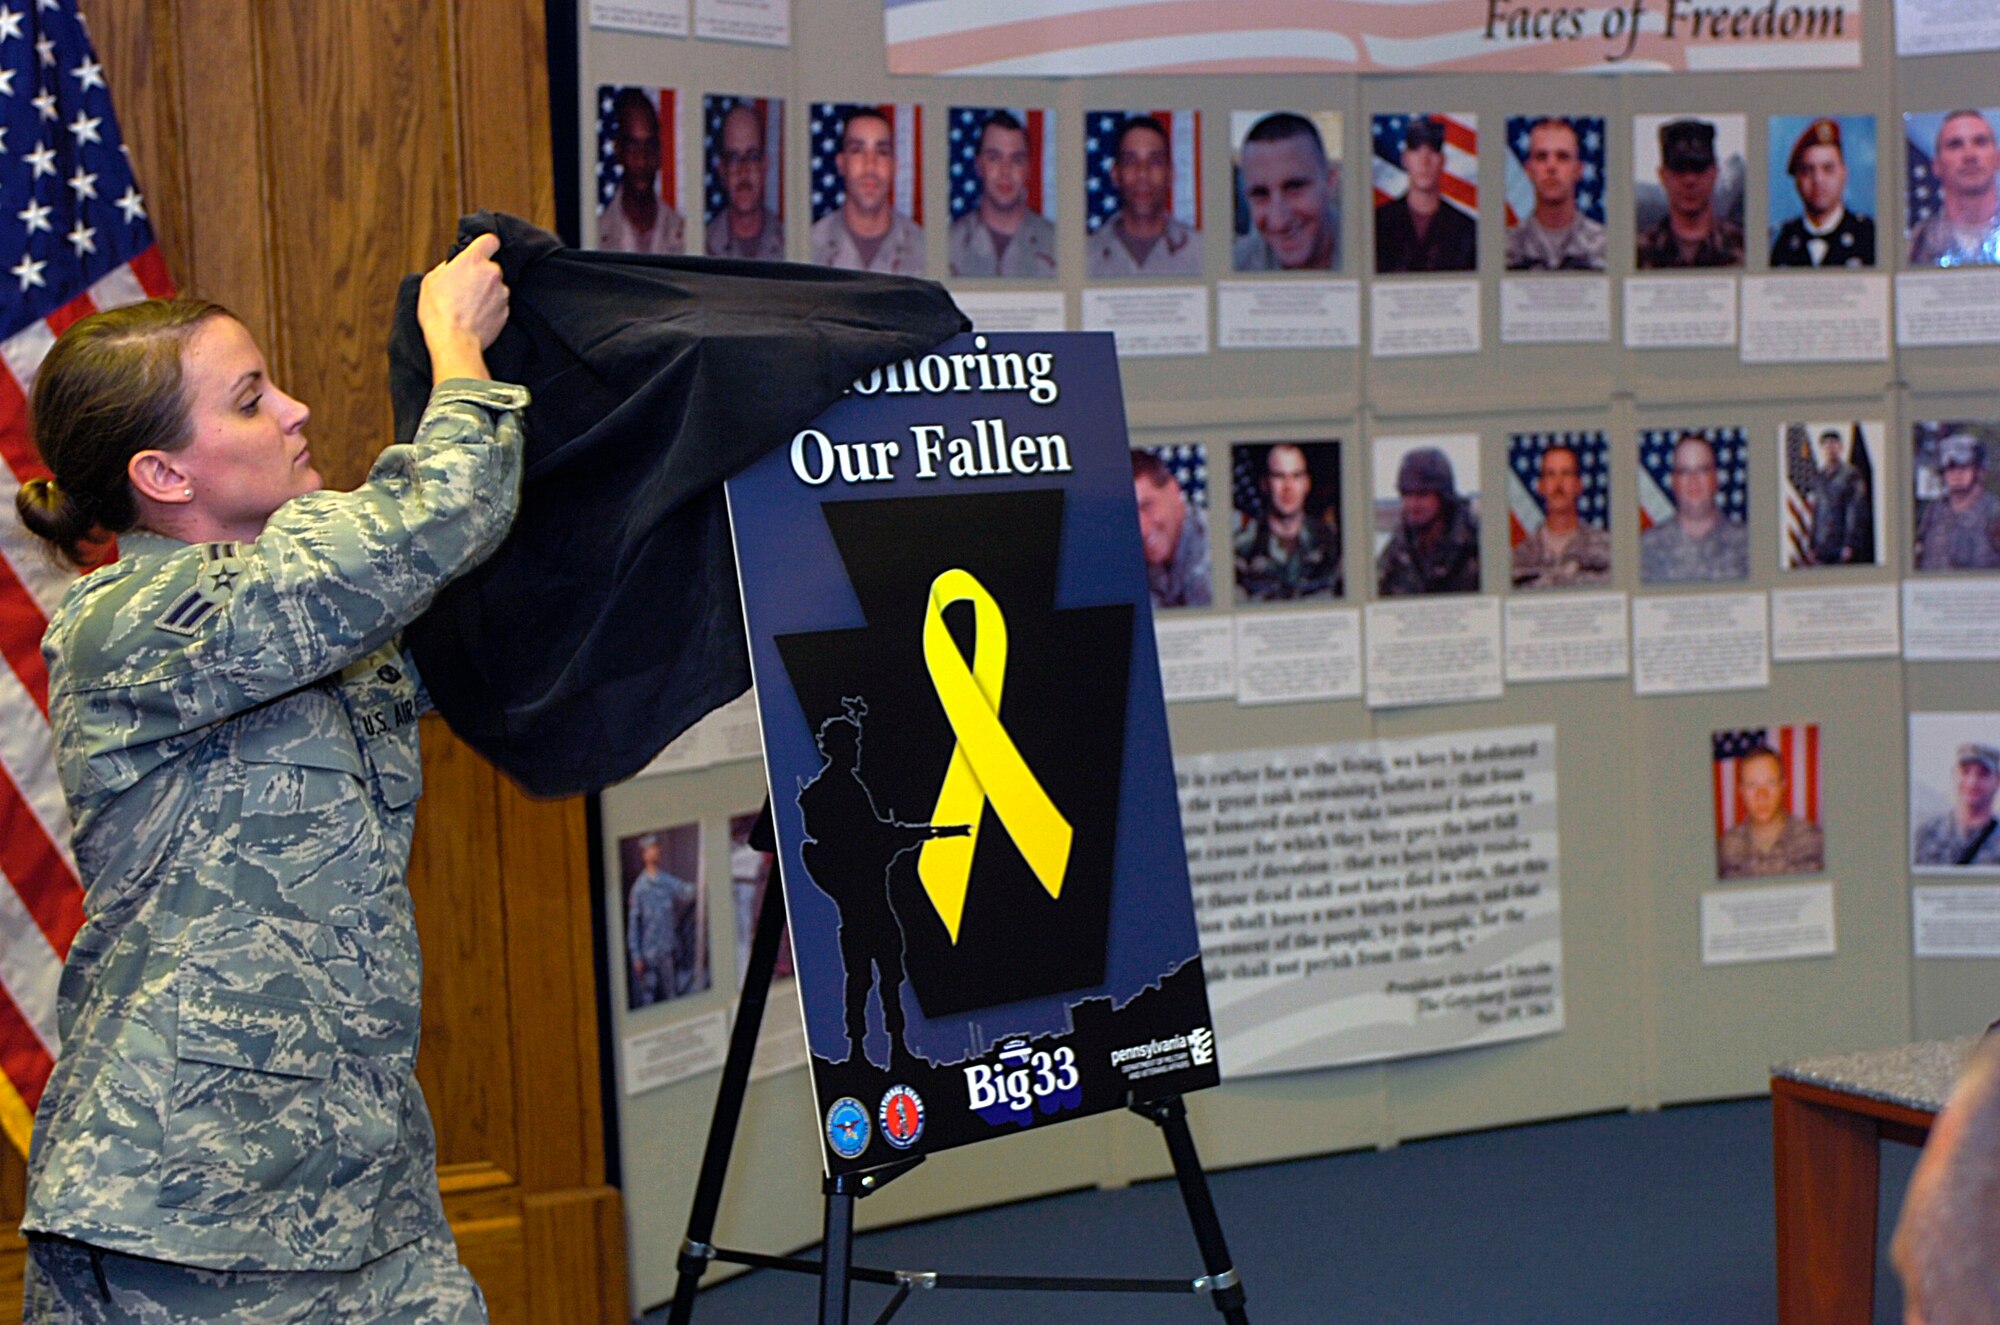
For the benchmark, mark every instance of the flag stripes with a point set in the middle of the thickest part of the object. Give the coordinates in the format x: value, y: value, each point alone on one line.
x: 81, y: 243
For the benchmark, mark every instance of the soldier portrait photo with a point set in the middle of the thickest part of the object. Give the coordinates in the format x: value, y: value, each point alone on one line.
x: 867, y: 193
x: 1170, y: 484
x: 1822, y: 188
x: 638, y: 170
x: 750, y: 883
x: 1287, y: 541
x: 743, y: 180
x: 1830, y: 506
x: 665, y: 914
x: 1957, y: 495
x: 1426, y: 493
x: 1767, y: 813
x: 1142, y: 193
x: 1954, y: 776
x: 1559, y: 504
x: 1689, y: 181
x: 1953, y: 191
x: 1694, y: 496
x: 1002, y: 167
x: 1286, y: 167
x: 1555, y: 193
x: 1425, y: 177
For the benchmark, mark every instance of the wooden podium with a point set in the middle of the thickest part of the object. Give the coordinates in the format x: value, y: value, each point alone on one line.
x: 1829, y: 1117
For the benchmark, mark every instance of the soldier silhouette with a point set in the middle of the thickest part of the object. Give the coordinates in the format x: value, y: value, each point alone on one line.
x: 849, y: 849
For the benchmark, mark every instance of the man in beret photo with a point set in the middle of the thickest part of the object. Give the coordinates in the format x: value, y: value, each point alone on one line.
x: 1826, y: 233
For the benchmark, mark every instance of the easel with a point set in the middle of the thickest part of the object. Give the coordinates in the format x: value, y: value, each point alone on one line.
x: 836, y: 1269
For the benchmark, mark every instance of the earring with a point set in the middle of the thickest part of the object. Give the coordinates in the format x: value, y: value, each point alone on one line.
x: 187, y: 492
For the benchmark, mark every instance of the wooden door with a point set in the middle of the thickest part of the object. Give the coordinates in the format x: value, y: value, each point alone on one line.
x: 298, y: 157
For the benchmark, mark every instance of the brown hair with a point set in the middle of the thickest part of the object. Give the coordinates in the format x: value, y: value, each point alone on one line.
x: 109, y: 389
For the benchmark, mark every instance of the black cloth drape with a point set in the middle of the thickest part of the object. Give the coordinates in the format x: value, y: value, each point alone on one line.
x: 609, y: 621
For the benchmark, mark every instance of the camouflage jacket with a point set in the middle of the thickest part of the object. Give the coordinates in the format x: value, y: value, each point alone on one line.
x: 1310, y: 566
x: 1446, y: 563
x: 236, y: 734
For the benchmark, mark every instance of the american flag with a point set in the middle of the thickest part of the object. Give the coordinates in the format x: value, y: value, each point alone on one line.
x: 1656, y: 463
x: 906, y: 191
x: 610, y: 173
x: 1100, y: 151
x: 1460, y: 183
x: 1590, y: 150
x: 771, y: 113
x: 1188, y: 463
x: 1524, y: 469
x: 1920, y: 184
x: 73, y: 239
x: 1797, y: 748
x: 1799, y: 468
x: 962, y: 131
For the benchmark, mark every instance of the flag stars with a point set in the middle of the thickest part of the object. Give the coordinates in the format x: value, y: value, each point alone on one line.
x: 83, y: 183
x: 10, y: 24
x: 6, y: 82
x: 29, y: 271
x: 83, y: 238
x: 44, y: 103
x: 84, y: 127
x: 43, y: 159
x: 45, y: 50
x: 36, y: 217
x: 132, y: 204
x: 89, y: 74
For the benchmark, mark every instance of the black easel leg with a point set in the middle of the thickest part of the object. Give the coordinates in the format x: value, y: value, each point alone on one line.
x: 836, y: 1255
x: 696, y: 1250
x: 1226, y: 1288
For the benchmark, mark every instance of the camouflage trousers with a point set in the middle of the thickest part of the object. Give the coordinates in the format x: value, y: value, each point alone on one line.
x: 423, y: 1283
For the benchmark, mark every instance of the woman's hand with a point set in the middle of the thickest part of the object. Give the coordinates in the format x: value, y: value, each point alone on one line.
x: 461, y: 307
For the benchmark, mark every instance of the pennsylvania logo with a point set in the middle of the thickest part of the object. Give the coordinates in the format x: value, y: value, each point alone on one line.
x: 847, y: 1127
x: 1025, y: 1081
x: 1201, y: 1046
x: 902, y: 1117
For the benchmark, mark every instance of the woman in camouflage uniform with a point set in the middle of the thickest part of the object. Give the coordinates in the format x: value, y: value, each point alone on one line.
x: 233, y: 1131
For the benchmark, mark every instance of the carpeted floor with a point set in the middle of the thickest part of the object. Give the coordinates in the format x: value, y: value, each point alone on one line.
x: 1620, y: 1219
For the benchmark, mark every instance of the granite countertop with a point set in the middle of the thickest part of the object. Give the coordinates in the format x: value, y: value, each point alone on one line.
x: 1916, y: 1076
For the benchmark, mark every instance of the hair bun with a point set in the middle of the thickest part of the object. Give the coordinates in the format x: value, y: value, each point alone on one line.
x: 54, y: 516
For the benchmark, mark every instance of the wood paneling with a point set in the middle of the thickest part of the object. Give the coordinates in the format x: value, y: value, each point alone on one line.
x: 467, y: 1063
x: 510, y: 109
x: 364, y: 189
x: 545, y: 851
x: 136, y: 44
x: 575, y: 1252
x: 224, y: 248
x: 298, y: 157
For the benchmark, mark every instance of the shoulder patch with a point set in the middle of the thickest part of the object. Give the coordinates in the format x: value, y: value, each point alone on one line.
x: 188, y: 613
x: 214, y: 583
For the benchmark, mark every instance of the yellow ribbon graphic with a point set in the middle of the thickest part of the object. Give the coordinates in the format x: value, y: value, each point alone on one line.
x: 985, y: 766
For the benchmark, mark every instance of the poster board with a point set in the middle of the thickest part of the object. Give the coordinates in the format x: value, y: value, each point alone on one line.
x: 967, y: 750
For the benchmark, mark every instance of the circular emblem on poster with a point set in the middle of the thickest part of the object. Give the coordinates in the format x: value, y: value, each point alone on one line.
x: 902, y: 1117
x: 847, y: 1127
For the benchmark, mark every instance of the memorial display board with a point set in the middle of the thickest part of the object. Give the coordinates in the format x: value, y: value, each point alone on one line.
x: 967, y: 751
